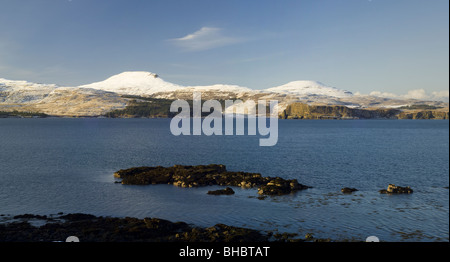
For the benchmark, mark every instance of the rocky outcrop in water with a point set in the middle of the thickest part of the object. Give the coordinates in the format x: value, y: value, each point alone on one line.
x: 348, y: 190
x: 207, y: 175
x: 393, y: 189
x: 279, y: 186
x: 226, y: 191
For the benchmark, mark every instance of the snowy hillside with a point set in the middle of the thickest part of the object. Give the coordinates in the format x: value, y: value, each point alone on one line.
x: 306, y: 88
x: 147, y: 83
x: 134, y: 83
x: 22, y: 91
x: 54, y: 100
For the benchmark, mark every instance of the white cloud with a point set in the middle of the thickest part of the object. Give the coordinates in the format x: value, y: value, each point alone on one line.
x: 442, y: 94
x: 383, y: 94
x: 419, y: 94
x: 205, y: 38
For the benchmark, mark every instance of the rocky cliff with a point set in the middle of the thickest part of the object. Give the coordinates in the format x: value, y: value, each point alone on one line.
x: 304, y: 111
x: 429, y: 114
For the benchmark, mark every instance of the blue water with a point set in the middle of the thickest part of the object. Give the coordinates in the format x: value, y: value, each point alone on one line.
x: 66, y: 165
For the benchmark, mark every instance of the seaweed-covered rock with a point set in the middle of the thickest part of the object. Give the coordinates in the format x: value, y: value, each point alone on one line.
x: 393, y: 189
x: 77, y: 217
x: 222, y: 233
x: 89, y: 228
x: 206, y: 175
x: 279, y: 186
x: 348, y: 190
x: 226, y: 191
x: 187, y: 176
x: 29, y: 216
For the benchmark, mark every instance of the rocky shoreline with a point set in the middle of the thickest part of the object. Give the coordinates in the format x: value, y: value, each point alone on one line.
x: 90, y: 228
x: 299, y: 110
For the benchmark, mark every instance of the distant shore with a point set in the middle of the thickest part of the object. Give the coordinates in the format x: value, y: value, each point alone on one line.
x: 142, y: 107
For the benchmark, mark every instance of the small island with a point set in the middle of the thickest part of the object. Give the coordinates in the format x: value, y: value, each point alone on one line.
x: 207, y: 175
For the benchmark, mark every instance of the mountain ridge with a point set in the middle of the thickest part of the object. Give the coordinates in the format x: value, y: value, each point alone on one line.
x: 101, y: 97
x: 148, y: 83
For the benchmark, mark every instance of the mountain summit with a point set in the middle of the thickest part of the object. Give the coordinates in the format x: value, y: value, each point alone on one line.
x: 147, y: 83
x: 134, y: 83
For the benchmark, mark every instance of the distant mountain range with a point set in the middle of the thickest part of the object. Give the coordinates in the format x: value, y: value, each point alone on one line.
x: 118, y: 91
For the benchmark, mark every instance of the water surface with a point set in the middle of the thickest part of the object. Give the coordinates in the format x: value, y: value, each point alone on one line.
x: 66, y: 165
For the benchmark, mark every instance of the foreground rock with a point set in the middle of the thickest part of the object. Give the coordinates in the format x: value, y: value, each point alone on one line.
x: 279, y: 186
x: 226, y: 191
x: 348, y: 190
x: 393, y: 189
x: 89, y: 228
x: 207, y: 175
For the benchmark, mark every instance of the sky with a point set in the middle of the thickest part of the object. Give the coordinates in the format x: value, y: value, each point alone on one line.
x: 389, y: 48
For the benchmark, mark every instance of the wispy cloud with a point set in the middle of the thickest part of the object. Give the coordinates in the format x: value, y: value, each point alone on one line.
x: 205, y: 38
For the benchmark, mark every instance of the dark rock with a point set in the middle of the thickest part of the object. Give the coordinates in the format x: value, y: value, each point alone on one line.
x: 226, y: 191
x: 393, y: 189
x: 309, y: 236
x: 77, y: 216
x: 286, y: 237
x: 29, y: 216
x: 279, y: 186
x: 262, y: 197
x: 348, y: 190
x: 206, y: 175
x: 89, y: 228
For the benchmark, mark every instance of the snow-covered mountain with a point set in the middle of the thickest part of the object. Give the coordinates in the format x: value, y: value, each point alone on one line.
x: 309, y: 88
x: 147, y: 84
x: 134, y: 83
x: 150, y: 84
x: 104, y: 96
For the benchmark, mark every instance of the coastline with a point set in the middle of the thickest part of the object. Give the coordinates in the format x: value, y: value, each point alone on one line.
x: 141, y: 107
x: 90, y: 228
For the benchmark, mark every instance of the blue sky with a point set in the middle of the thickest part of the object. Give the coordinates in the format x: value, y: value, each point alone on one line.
x: 362, y: 46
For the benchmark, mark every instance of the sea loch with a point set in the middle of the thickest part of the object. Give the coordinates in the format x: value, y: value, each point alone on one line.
x: 56, y: 165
